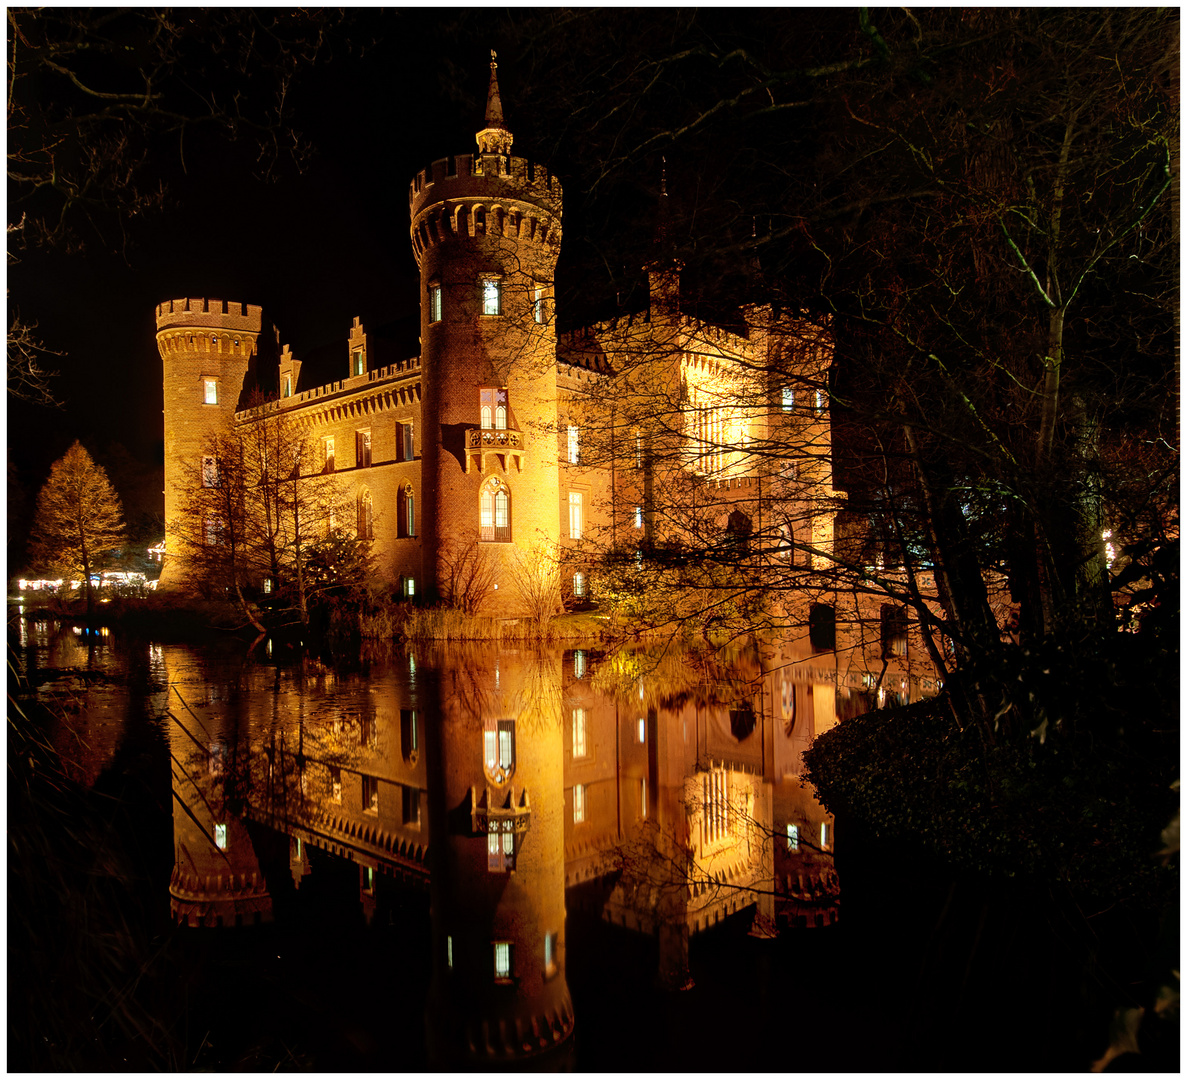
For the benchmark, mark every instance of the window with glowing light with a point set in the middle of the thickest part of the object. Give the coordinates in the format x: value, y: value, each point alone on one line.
x: 492, y: 296
x: 288, y: 386
x: 578, y: 663
x: 579, y: 586
x: 210, y: 391
x: 826, y: 836
x: 641, y: 730
x: 550, y: 956
x: 788, y: 399
x: 220, y: 837
x: 503, y: 961
x: 638, y: 517
x: 575, y: 515
x: 434, y: 303
x: 793, y: 838
x: 358, y: 362
x: 579, y: 733
x: 578, y: 803
x: 498, y: 749
x: 449, y: 950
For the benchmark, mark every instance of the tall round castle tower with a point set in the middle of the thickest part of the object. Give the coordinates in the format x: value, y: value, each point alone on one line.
x: 206, y: 348
x: 486, y: 232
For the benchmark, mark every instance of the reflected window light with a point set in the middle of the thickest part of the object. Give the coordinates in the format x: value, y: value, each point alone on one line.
x: 578, y: 803
x: 550, y: 944
x: 335, y: 784
x: 220, y: 837
x: 411, y: 664
x: 368, y: 880
x: 502, y: 960
x: 496, y: 675
x: 578, y: 733
x: 643, y: 798
x: 449, y: 951
x: 826, y: 836
x: 641, y: 730
x: 579, y: 664
x: 638, y: 517
x: 793, y: 838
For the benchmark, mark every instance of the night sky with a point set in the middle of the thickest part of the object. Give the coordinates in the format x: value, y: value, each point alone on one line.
x: 315, y: 248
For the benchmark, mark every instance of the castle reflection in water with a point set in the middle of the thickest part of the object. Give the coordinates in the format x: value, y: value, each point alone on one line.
x: 502, y: 779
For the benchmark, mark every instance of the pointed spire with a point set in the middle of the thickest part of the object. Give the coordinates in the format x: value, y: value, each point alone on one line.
x: 661, y: 245
x: 495, y: 138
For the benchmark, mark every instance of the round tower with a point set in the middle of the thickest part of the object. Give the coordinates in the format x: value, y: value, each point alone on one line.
x: 495, y: 766
x: 206, y: 349
x: 486, y: 233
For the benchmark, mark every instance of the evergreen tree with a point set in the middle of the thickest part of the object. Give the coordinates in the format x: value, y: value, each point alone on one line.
x: 79, y: 518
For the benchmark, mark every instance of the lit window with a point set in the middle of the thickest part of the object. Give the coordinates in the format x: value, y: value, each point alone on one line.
x: 368, y: 880
x: 362, y: 442
x: 335, y: 784
x: 409, y: 588
x: 574, y: 444
x: 550, y: 945
x: 788, y: 399
x: 578, y: 803
x: 220, y: 837
x: 579, y: 587
x: 502, y: 960
x: 819, y: 402
x: 641, y: 730
x: 538, y: 305
x: 826, y: 836
x: 434, y: 303
x: 209, y: 472
x: 575, y: 515
x: 638, y: 451
x: 492, y: 297
x: 267, y: 584
x: 328, y: 443
x: 500, y: 417
x: 358, y: 362
x: 449, y: 950
x: 793, y: 838
x: 370, y: 795
x: 578, y: 733
x: 210, y: 391
x: 579, y: 664
x: 643, y: 798
x: 404, y: 441
x: 638, y: 517
x: 498, y: 749
x: 486, y: 417
x: 288, y: 386
x: 495, y: 512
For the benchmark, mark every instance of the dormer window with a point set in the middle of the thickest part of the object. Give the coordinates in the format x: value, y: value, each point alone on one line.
x: 358, y: 362
x: 287, y: 390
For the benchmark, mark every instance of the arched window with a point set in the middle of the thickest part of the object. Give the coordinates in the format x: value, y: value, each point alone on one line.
x: 498, y: 749
x: 500, y: 417
x: 406, y: 511
x: 495, y: 511
x: 365, y: 524
x: 486, y: 416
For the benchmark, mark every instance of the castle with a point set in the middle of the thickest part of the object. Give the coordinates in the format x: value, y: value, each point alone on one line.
x: 501, y: 441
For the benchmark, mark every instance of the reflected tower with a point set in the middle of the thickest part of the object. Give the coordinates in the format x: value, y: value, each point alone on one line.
x: 496, y: 797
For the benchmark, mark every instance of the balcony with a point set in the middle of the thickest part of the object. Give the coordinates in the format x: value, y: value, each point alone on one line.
x: 504, y: 444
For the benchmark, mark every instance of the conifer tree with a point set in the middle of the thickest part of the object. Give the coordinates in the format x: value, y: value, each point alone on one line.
x: 79, y: 518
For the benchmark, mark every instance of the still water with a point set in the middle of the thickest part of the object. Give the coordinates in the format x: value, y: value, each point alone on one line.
x: 472, y: 856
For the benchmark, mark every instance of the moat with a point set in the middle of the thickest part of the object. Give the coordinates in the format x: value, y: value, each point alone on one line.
x: 450, y: 847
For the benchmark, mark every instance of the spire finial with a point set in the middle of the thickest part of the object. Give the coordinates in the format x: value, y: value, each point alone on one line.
x: 494, y: 138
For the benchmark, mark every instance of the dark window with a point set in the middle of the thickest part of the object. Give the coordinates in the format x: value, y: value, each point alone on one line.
x: 363, y: 449
x: 822, y: 627
x: 404, y: 441
x: 409, y: 734
x: 411, y: 806
x: 370, y: 795
x: 894, y: 631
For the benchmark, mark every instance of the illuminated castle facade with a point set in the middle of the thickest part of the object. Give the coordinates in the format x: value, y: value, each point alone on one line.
x: 496, y: 441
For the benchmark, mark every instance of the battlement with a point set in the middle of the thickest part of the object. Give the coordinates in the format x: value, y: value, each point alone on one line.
x: 445, y: 178
x: 210, y: 313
